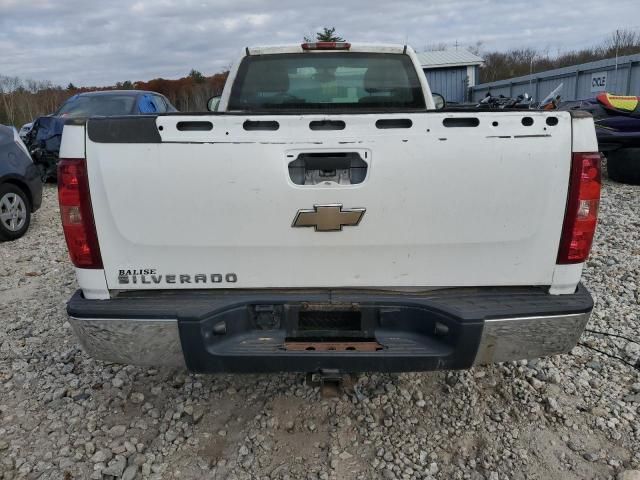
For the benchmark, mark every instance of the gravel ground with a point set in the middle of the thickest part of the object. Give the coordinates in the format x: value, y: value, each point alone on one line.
x: 65, y: 415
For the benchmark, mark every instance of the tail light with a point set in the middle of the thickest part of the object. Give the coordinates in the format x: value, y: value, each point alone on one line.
x: 581, y: 215
x: 76, y: 213
x: 326, y: 46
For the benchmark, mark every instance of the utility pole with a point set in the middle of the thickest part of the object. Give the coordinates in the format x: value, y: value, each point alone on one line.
x: 617, y: 46
x: 533, y: 57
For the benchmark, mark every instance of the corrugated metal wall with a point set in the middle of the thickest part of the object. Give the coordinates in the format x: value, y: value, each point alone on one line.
x: 577, y: 81
x: 448, y: 82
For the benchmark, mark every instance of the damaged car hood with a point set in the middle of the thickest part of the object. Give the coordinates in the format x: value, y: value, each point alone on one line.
x: 49, y: 132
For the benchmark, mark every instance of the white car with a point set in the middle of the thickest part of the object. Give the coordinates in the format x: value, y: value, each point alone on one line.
x: 327, y: 217
x: 24, y: 130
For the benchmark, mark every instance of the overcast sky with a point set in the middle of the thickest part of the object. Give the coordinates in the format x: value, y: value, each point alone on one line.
x: 99, y: 43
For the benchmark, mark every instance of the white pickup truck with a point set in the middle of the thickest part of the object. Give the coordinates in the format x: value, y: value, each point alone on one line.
x: 328, y: 217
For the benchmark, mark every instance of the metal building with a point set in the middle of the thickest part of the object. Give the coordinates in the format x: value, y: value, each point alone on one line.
x: 450, y: 72
x: 620, y: 76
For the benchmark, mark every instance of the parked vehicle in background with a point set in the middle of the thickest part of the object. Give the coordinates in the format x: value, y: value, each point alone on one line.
x: 521, y: 102
x: 43, y: 141
x: 617, y: 122
x: 20, y: 185
x: 24, y: 130
x: 329, y: 218
x: 501, y: 102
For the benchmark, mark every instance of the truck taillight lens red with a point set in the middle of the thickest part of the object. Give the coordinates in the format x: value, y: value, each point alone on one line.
x: 77, y: 214
x: 582, y: 209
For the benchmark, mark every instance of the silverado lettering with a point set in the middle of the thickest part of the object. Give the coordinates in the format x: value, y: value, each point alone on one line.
x: 183, y: 278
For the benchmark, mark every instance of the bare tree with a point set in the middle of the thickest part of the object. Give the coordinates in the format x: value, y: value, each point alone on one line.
x: 476, y: 48
x: 622, y: 42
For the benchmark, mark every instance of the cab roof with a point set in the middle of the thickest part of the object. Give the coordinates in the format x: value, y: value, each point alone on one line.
x: 354, y: 47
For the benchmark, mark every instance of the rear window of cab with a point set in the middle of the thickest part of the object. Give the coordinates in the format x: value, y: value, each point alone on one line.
x: 326, y: 81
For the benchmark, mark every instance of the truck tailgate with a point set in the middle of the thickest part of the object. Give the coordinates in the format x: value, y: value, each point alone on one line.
x: 449, y: 199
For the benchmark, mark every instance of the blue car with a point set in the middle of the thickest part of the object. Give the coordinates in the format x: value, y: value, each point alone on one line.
x: 43, y: 140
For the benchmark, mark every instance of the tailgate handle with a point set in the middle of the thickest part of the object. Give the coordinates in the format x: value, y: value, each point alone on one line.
x: 345, y: 168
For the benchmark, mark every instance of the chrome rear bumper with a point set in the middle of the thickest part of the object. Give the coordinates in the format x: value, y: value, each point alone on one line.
x: 409, y: 327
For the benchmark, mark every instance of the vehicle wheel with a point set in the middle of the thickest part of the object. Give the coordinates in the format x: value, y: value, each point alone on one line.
x: 624, y: 165
x: 15, y: 212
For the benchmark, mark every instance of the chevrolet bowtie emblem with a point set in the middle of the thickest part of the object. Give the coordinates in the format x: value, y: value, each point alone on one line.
x: 328, y: 218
